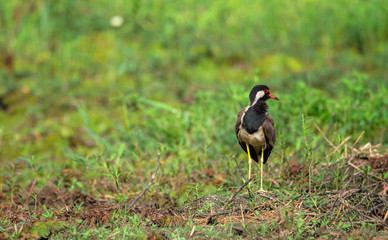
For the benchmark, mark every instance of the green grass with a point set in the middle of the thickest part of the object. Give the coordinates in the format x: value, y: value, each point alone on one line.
x: 85, y: 106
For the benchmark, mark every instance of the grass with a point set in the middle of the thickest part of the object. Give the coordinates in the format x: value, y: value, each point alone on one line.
x: 85, y: 108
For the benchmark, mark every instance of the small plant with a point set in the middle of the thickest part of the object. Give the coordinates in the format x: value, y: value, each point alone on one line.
x: 308, y: 149
x: 47, y: 213
x: 115, y: 176
x: 300, y: 225
x: 78, y: 207
x: 366, y: 170
x: 194, y: 191
x: 384, y: 175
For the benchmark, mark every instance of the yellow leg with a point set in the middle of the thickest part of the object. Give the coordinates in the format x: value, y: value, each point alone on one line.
x: 261, y: 169
x: 250, y: 163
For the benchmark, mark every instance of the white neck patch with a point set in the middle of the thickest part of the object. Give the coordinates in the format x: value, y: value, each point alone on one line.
x: 259, y: 95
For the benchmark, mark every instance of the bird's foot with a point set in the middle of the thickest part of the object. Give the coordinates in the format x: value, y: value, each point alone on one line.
x: 261, y: 190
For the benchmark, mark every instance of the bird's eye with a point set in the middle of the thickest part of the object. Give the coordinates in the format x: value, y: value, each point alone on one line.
x: 266, y: 91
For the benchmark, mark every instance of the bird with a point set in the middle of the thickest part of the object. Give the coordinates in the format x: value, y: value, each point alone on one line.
x: 255, y: 128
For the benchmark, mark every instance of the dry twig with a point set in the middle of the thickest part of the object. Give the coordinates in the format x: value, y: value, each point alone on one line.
x: 31, y: 189
x: 342, y: 143
x: 327, y: 132
x: 222, y: 212
x: 323, y: 134
x: 149, y: 184
x: 192, y: 231
x: 359, y: 137
x: 237, y: 192
x: 242, y: 214
x: 242, y: 175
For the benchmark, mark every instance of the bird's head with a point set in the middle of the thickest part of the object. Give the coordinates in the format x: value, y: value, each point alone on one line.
x: 260, y: 92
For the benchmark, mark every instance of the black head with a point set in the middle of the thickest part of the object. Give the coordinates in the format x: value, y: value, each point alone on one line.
x: 260, y: 92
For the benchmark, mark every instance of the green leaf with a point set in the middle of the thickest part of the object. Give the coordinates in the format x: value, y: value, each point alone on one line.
x: 41, y: 228
x: 44, y: 229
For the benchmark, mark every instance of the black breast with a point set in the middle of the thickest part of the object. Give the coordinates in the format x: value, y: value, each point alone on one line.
x: 252, y: 120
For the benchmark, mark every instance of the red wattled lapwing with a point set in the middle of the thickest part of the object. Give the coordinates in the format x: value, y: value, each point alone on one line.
x: 255, y: 128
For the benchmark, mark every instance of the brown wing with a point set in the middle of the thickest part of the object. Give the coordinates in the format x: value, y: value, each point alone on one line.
x: 238, y: 123
x: 270, y: 136
x: 243, y: 144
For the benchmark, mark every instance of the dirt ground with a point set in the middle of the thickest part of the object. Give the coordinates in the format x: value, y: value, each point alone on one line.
x: 367, y: 203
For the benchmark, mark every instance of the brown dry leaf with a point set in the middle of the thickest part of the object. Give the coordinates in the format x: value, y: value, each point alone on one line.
x: 164, y: 217
x: 379, y: 162
x: 154, y: 235
x: 295, y: 168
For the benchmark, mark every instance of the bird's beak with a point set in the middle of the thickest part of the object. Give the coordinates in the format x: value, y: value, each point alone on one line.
x: 272, y: 96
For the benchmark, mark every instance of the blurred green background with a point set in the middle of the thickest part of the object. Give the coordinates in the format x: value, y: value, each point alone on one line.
x: 78, y: 93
